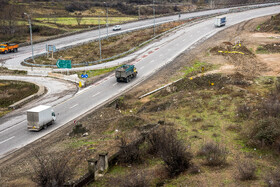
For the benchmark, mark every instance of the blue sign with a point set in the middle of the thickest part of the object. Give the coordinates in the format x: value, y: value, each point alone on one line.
x: 51, y: 48
x: 84, y: 76
x: 64, y: 64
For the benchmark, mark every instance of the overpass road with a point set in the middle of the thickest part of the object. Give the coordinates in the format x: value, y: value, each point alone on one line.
x: 162, y: 52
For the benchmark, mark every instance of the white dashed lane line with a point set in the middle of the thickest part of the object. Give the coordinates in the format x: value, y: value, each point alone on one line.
x: 74, y: 106
x: 96, y: 94
x: 7, y: 140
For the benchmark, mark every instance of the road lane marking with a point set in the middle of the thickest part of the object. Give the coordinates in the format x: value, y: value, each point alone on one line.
x: 74, y: 106
x: 142, y: 67
x: 96, y: 94
x: 115, y: 84
x: 7, y: 140
x: 152, y: 61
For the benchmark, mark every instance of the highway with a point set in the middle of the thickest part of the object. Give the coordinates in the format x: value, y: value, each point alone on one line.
x: 24, y: 52
x: 161, y: 53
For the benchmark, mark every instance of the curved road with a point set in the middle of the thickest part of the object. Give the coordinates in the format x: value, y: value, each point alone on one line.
x: 163, y: 52
x: 39, y: 48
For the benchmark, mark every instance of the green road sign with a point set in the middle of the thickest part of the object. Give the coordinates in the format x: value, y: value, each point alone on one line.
x: 63, y: 63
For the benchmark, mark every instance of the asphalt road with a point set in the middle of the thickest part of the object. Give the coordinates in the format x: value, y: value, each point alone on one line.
x: 57, y: 92
x: 24, y: 52
x: 162, y: 53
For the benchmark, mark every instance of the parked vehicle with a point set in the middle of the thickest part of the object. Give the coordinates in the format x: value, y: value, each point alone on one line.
x: 117, y: 28
x: 220, y: 21
x: 40, y: 117
x: 125, y: 73
x: 6, y: 48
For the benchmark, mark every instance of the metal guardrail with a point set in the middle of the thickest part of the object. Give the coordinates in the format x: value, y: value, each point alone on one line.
x: 140, y: 28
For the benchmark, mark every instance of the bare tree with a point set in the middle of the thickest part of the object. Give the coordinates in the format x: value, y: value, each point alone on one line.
x: 164, y: 142
x: 50, y: 170
x: 8, y: 19
x: 79, y: 18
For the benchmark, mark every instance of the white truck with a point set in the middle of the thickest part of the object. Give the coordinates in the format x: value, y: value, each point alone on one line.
x: 220, y: 21
x: 40, y: 117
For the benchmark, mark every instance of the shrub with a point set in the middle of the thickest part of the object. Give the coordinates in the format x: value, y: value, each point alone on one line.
x: 164, y: 143
x: 246, y: 170
x: 78, y: 129
x: 50, y: 169
x: 273, y: 178
x: 243, y: 111
x: 270, y: 107
x: 129, y: 153
x: 214, y: 154
x: 265, y: 130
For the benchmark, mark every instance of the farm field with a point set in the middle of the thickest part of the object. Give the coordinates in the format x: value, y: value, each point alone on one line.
x: 72, y: 21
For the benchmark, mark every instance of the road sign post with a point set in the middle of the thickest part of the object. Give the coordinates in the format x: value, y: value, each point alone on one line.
x: 51, y: 48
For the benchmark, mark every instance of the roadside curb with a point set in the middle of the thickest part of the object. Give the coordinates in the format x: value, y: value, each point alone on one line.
x: 18, y: 104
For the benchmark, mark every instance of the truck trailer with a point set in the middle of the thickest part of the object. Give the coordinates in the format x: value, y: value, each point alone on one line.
x: 220, y: 21
x: 6, y: 48
x: 40, y: 117
x: 125, y: 73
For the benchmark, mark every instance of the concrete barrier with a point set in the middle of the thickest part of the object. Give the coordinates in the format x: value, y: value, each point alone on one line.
x: 73, y: 78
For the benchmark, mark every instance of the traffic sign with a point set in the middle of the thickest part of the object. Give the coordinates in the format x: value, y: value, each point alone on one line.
x: 84, y: 76
x: 51, y: 48
x: 63, y: 63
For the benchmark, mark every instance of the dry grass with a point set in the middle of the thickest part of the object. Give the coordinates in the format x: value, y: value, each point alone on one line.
x: 110, y: 47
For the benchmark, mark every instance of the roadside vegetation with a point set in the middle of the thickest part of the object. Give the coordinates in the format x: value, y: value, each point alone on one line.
x: 4, y: 71
x: 52, y: 18
x: 110, y: 47
x: 209, y: 129
x: 13, y: 91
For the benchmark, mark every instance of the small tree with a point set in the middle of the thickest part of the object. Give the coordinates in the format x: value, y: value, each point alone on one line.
x: 129, y: 153
x: 50, y: 170
x: 246, y: 170
x: 214, y: 154
x: 165, y: 143
x: 79, y: 18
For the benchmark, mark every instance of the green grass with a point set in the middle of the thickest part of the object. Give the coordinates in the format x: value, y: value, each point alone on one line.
x: 261, y: 50
x: 85, y: 20
x: 197, y: 66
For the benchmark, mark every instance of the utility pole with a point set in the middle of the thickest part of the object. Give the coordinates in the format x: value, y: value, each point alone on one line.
x: 106, y: 17
x: 99, y: 38
x: 154, y: 12
x: 30, y: 28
